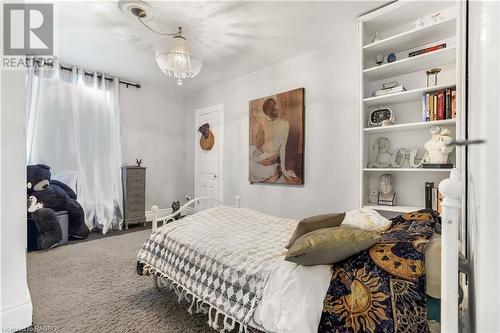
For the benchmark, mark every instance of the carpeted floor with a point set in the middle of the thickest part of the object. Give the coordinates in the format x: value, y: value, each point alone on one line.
x: 92, y: 287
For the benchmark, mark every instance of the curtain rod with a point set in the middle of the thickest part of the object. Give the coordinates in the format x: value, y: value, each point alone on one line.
x: 137, y: 85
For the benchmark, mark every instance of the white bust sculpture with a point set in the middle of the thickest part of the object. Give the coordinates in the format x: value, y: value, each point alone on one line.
x: 386, y: 194
x: 438, y: 147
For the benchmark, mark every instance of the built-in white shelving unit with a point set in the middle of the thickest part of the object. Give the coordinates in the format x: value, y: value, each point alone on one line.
x: 396, y: 24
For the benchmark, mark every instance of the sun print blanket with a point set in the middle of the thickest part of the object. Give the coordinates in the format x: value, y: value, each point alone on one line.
x: 383, y: 289
x: 220, y: 258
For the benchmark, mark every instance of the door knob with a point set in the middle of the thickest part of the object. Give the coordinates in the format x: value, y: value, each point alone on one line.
x: 215, y: 176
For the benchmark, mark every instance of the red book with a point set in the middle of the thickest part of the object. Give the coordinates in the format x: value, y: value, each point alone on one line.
x: 427, y: 50
x: 440, y: 108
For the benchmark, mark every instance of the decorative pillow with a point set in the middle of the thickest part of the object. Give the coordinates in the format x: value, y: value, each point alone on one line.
x: 330, y: 245
x: 314, y: 223
x: 367, y: 219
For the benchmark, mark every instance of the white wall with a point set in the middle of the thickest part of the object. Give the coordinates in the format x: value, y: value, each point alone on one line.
x: 15, y: 306
x: 484, y: 164
x: 330, y: 81
x: 153, y: 129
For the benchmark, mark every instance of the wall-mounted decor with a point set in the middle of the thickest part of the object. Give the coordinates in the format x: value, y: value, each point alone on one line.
x: 276, y: 152
x: 207, y: 139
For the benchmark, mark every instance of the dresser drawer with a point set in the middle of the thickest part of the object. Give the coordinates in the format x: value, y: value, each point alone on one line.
x: 135, y: 183
x: 135, y: 199
x: 135, y: 210
x: 136, y: 173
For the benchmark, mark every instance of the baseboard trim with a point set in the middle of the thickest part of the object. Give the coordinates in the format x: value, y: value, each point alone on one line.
x: 17, y: 317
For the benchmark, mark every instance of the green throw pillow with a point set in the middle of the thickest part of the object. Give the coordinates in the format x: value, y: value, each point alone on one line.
x: 314, y: 223
x: 330, y: 245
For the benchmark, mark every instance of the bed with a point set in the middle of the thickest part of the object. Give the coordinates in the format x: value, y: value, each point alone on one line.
x: 228, y: 262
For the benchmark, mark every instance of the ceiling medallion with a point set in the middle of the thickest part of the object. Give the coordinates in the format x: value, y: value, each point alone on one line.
x: 175, y: 56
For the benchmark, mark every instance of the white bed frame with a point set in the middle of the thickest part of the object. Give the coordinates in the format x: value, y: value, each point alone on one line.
x: 192, y: 206
x: 452, y: 189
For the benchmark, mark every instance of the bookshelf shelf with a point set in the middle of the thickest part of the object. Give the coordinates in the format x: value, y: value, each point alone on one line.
x: 396, y: 22
x: 413, y: 64
x: 405, y: 96
x: 410, y: 126
x: 404, y: 170
x: 398, y: 209
x: 411, y: 38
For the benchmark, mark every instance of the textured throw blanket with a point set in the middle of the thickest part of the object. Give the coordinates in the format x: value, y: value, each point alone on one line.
x: 383, y: 289
x: 219, y: 258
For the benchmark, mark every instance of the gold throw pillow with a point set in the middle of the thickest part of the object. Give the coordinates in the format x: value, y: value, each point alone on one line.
x: 314, y: 223
x: 330, y: 245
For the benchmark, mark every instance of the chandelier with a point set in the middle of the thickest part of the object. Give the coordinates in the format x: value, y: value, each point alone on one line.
x: 176, y: 56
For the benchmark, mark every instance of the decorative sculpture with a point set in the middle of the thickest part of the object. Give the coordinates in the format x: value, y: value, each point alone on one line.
x: 175, y: 207
x: 207, y: 139
x: 386, y: 195
x: 438, y: 147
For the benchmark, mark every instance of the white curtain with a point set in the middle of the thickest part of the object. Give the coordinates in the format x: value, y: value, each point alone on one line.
x: 74, y: 127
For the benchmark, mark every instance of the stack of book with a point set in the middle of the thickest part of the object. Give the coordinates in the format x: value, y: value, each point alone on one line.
x: 433, y: 198
x: 439, y: 105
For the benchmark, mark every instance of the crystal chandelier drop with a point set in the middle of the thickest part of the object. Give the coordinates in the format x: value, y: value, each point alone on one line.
x: 177, y: 58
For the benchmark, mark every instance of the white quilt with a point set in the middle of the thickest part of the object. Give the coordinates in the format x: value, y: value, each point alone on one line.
x: 221, y: 257
x: 293, y: 297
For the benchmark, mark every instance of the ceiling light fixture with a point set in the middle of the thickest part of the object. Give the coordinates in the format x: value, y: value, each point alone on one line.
x: 175, y: 56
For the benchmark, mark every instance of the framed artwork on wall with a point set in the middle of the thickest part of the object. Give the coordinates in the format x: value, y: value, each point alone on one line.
x: 276, y: 152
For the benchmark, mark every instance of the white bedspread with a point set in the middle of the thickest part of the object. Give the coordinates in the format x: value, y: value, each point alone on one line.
x: 292, y: 300
x: 220, y: 257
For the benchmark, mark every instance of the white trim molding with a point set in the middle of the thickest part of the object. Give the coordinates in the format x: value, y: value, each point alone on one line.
x: 17, y: 316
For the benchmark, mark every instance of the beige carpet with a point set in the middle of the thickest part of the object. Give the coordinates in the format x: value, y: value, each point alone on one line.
x: 93, y: 287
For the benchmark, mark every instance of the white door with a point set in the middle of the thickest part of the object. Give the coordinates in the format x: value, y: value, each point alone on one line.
x: 208, y: 163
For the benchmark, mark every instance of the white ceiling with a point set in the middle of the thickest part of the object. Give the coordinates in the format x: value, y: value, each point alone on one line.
x: 236, y: 38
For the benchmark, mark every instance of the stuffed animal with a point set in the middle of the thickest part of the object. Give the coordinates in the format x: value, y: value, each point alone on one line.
x: 176, y: 205
x: 47, y: 231
x: 56, y: 196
